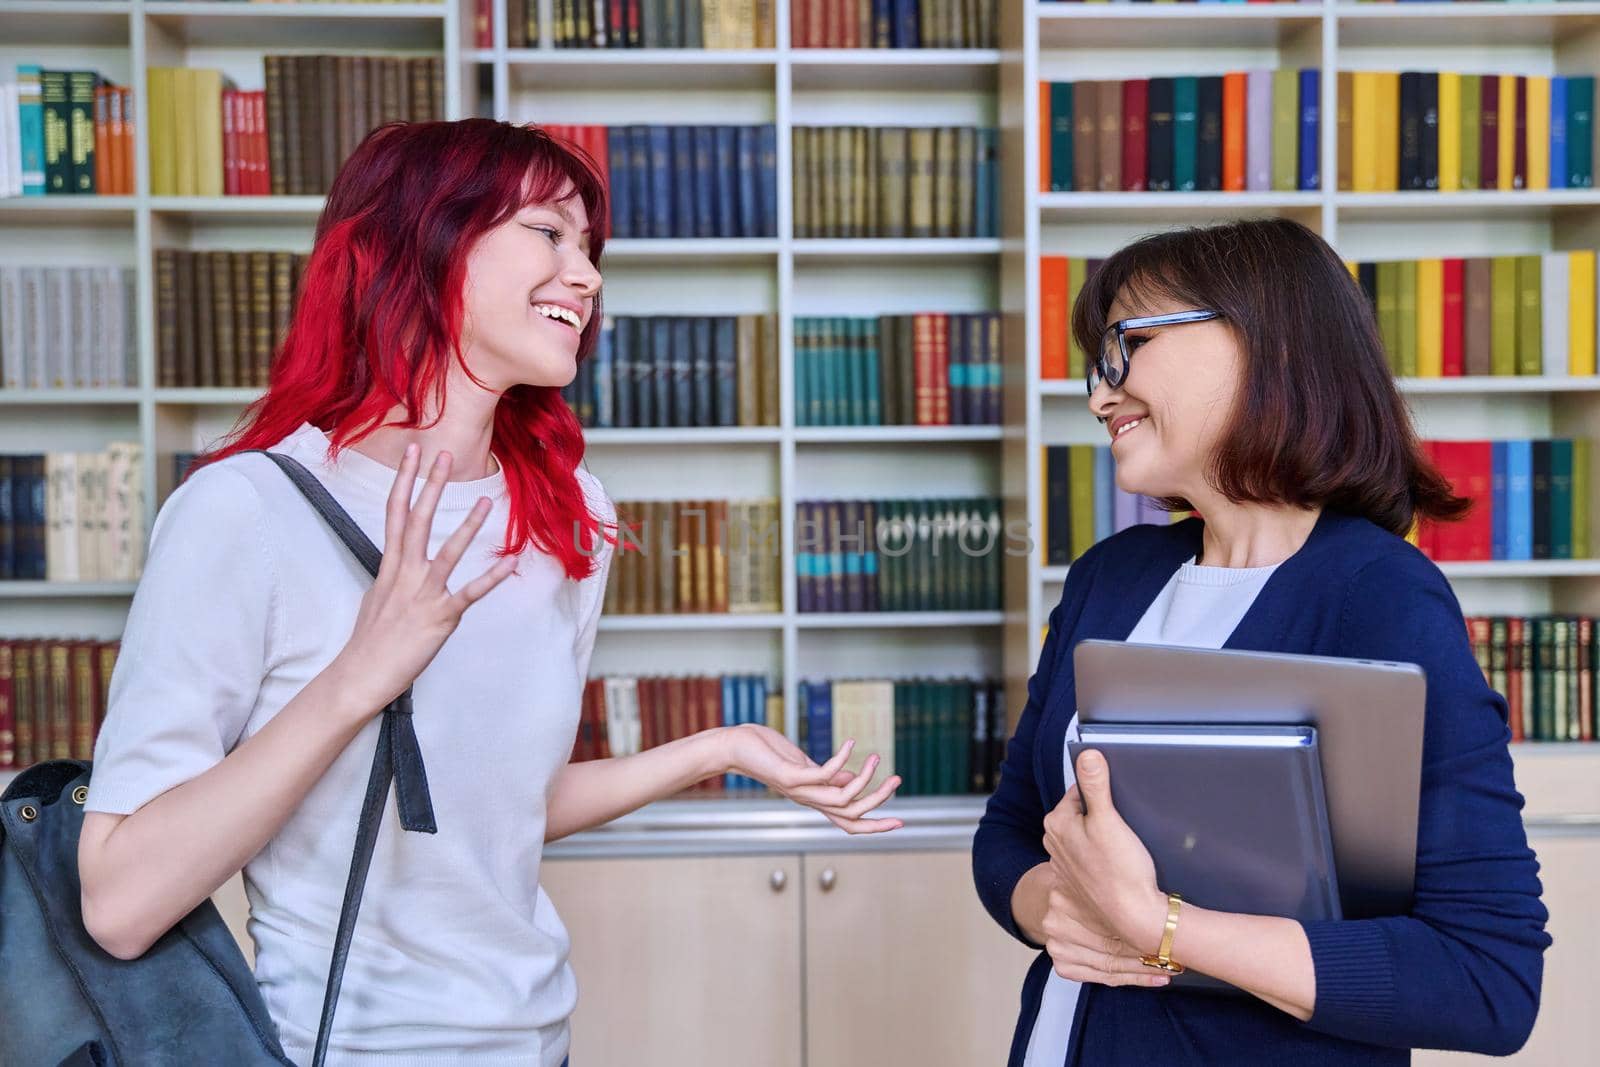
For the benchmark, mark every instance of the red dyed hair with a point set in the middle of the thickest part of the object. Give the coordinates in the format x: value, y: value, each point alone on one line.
x: 378, y: 315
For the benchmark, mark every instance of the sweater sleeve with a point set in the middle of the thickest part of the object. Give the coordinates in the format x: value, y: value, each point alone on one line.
x: 1010, y: 837
x: 1463, y: 969
x: 195, y: 646
x: 602, y: 508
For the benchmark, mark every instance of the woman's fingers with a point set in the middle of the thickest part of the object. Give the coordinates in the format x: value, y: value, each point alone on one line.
x: 414, y: 544
x: 873, y: 800
x: 450, y: 553
x: 398, y: 508
x: 479, y: 587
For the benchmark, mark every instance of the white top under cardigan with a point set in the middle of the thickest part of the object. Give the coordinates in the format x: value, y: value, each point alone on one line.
x: 458, y: 956
x: 1199, y: 607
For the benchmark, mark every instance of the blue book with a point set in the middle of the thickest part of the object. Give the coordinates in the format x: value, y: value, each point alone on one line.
x: 662, y: 371
x: 906, y: 32
x: 682, y: 342
x: 822, y: 721
x: 874, y: 365
x: 605, y: 395
x: 749, y: 179
x: 639, y: 172
x: 622, y: 373
x: 617, y: 149
x: 729, y: 780
x: 8, y: 521
x: 1105, y: 485
x: 882, y: 24
x: 659, y: 139
x: 1558, y: 133
x: 644, y: 374
x: 683, y: 183
x: 702, y: 371
x: 705, y: 181
x: 725, y: 355
x: 985, y: 182
x: 767, y: 178
x: 1519, y: 499
x: 727, y: 185
x: 1310, y: 123
x: 1499, y: 548
x: 30, y: 127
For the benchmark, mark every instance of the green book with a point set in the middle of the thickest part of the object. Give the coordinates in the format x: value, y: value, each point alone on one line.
x: 1061, y: 137
x: 1582, y: 486
x: 1580, y: 132
x: 1285, y: 130
x: 81, y: 85
x: 1503, y: 328
x: 859, y: 377
x: 1185, y: 132
x: 1471, y: 95
x: 1081, y: 485
x: 1389, y: 311
x: 57, y: 96
x: 1405, y: 362
x: 1530, y: 322
x: 961, y: 781
x: 1561, y: 490
x: 1543, y: 704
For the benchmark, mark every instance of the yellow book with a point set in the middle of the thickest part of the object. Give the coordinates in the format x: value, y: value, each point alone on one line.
x: 1581, y: 313
x: 1389, y: 131
x: 1364, y: 119
x: 1354, y: 268
x: 162, y: 119
x: 1507, y: 131
x: 1430, y: 318
x: 185, y: 114
x: 208, y: 132
x: 1449, y: 132
x: 1538, y: 132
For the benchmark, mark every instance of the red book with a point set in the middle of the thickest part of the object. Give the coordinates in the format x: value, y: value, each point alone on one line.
x: 941, y: 369
x: 1513, y: 660
x: 599, y: 147
x: 849, y: 24
x: 1135, y: 112
x: 1454, y: 312
x: 1467, y: 465
x: 922, y: 330
x: 797, y: 25
x: 8, y: 708
x: 619, y: 23
x: 230, y: 142
x: 483, y: 24
x: 1489, y: 136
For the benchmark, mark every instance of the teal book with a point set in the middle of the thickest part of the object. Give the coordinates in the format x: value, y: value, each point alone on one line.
x: 862, y: 375
x: 1580, y: 133
x: 874, y: 373
x: 30, y: 119
x: 1061, y: 137
x: 1561, y: 489
x: 828, y: 387
x: 1185, y: 132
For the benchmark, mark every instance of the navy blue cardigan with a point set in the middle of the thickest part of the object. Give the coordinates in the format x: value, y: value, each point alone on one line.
x: 1461, y: 971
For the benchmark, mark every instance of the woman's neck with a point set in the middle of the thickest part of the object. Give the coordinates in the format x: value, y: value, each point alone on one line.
x: 1254, y: 535
x: 465, y: 429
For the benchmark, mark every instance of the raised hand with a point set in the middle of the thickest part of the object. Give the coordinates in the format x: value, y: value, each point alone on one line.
x: 772, y: 759
x: 408, y: 613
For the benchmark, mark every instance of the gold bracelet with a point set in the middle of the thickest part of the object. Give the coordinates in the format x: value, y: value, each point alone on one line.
x: 1163, y: 957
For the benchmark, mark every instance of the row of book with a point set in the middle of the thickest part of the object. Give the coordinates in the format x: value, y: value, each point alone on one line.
x: 221, y: 315
x: 1245, y: 130
x: 1500, y: 315
x: 893, y: 23
x: 695, y: 557
x: 1531, y: 500
x: 901, y: 555
x: 1083, y: 504
x: 1423, y: 130
x: 1547, y: 668
x: 623, y: 716
x: 73, y: 516
x: 929, y: 369
x: 943, y: 737
x: 52, y: 698
x: 895, y: 181
x: 680, y: 371
x: 209, y: 139
x: 65, y: 132
x: 711, y: 24
x: 686, y: 181
x: 68, y: 327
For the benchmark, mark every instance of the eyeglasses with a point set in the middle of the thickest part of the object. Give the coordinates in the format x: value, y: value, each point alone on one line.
x: 1110, y: 364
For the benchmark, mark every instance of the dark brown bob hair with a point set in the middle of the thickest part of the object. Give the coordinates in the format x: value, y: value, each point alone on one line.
x: 1318, y: 420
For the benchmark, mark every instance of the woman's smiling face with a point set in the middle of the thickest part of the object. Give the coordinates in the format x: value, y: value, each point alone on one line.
x: 1167, y: 416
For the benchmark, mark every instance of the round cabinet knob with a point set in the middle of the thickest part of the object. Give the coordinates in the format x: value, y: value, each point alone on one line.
x: 779, y: 879
x: 827, y: 880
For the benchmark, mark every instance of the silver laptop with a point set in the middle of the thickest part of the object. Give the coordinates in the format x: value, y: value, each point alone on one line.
x: 1368, y: 715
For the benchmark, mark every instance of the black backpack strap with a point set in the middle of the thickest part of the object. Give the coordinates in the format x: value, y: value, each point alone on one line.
x: 397, y: 759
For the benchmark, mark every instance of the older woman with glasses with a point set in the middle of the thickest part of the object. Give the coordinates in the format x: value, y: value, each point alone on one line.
x: 1238, y: 372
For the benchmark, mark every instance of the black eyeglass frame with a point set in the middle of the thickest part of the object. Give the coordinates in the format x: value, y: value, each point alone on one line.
x: 1098, y: 371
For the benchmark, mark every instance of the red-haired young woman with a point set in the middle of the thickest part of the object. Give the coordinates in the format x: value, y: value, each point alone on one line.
x: 450, y: 294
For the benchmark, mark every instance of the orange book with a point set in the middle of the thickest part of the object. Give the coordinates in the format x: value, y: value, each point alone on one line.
x: 102, y: 143
x: 1234, y: 123
x: 126, y: 156
x: 1052, y: 317
x: 1044, y: 137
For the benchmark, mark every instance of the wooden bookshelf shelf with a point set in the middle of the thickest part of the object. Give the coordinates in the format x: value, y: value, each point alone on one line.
x: 1139, y: 208
x: 97, y: 23
x: 826, y: 248
x: 207, y: 397
x: 893, y: 69
x: 68, y: 210
x: 691, y: 250
x: 12, y: 590
x: 271, y: 209
x: 664, y: 69
x: 869, y: 435
x: 682, y: 435
x: 1480, y: 25
x: 17, y: 398
x: 1085, y: 26
x: 1482, y: 203
x: 730, y: 621
x: 897, y: 620
x: 200, y: 23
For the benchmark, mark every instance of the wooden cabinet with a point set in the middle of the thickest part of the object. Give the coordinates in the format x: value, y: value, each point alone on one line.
x: 699, y: 962
x: 903, y: 965
x: 692, y: 961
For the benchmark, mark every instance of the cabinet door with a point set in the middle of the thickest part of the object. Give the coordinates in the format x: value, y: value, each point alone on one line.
x: 903, y: 965
x: 1569, y: 867
x: 692, y: 962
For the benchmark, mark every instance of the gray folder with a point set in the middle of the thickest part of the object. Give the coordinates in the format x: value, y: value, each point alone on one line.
x: 1234, y: 816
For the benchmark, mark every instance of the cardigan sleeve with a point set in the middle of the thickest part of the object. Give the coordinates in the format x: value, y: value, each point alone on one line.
x: 1463, y: 969
x: 1010, y: 837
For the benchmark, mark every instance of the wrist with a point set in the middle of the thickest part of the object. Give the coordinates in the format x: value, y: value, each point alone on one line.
x: 1150, y: 924
x: 721, y: 753
x: 345, y: 697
